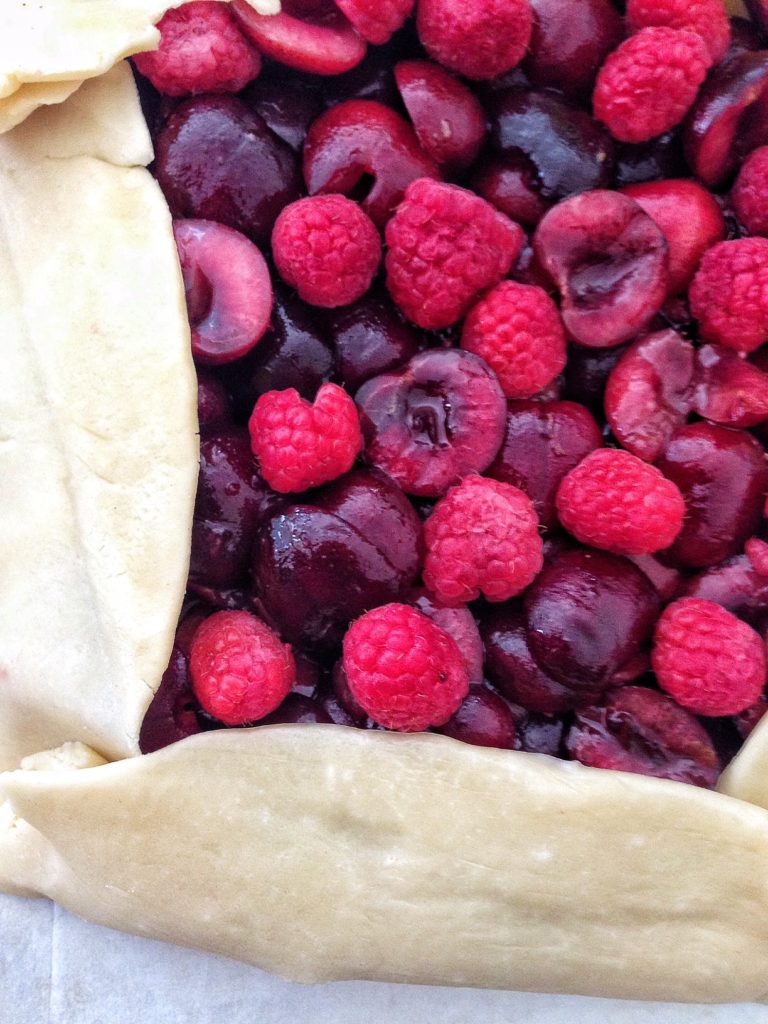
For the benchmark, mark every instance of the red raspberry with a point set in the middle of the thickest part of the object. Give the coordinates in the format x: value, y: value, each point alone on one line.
x: 376, y: 20
x: 478, y: 39
x: 327, y: 249
x: 729, y: 294
x: 240, y: 669
x: 482, y: 537
x: 750, y: 192
x: 615, y: 501
x: 711, y: 662
x: 707, y: 18
x: 756, y: 551
x: 301, y: 444
x: 406, y: 672
x: 517, y: 330
x: 649, y: 83
x: 446, y: 245
x: 201, y: 50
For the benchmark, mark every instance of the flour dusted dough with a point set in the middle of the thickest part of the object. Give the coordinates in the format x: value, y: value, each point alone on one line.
x: 97, y: 426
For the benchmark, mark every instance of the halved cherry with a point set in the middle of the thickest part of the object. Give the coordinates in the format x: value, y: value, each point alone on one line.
x: 728, y: 389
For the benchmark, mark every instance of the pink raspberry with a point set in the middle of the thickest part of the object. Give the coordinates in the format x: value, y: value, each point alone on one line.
x: 478, y: 39
x: 406, y: 672
x: 482, y: 537
x: 750, y: 192
x: 240, y: 669
x: 517, y: 330
x: 647, y: 85
x: 446, y: 245
x: 327, y: 249
x: 756, y: 551
x: 201, y: 50
x: 706, y: 659
x: 729, y: 294
x: 301, y: 444
x: 707, y: 18
x: 615, y: 501
x: 376, y: 20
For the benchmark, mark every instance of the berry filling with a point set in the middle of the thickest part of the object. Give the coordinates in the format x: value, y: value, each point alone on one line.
x: 478, y: 298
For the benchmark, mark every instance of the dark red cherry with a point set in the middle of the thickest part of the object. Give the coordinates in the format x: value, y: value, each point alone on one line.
x: 298, y: 709
x: 345, y: 697
x: 541, y: 734
x: 366, y: 151
x: 570, y: 40
x: 511, y: 184
x: 216, y: 159
x: 483, y: 719
x: 658, y: 159
x: 542, y: 442
x: 513, y: 670
x: 370, y: 337
x: 294, y: 353
x: 667, y: 580
x: 587, y: 614
x: 429, y: 424
x: 609, y: 259
x: 723, y: 477
x: 172, y: 715
x: 735, y: 585
x: 213, y: 405
x: 643, y: 731
x: 587, y: 372
x: 286, y: 105
x: 232, y: 499
x: 318, y: 566
x: 728, y: 389
x: 308, y: 675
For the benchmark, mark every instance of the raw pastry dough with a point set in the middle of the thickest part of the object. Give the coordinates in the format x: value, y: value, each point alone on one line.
x: 98, y: 452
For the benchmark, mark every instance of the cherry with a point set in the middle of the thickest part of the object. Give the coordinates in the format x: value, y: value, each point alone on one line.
x: 729, y: 390
x: 459, y: 623
x: 217, y: 160
x: 297, y: 709
x: 568, y: 151
x: 729, y: 119
x: 609, y: 259
x: 667, y: 580
x: 690, y: 219
x: 643, y: 731
x: 287, y: 105
x: 294, y: 353
x: 231, y: 501
x: 213, y: 405
x: 228, y: 290
x: 344, y: 695
x: 307, y: 675
x: 326, y: 46
x: 758, y: 12
x: 483, y: 719
x: 447, y: 117
x: 588, y: 614
x: 511, y: 184
x: 746, y: 721
x: 570, y: 40
x: 736, y: 586
x: 541, y: 734
x: 370, y: 337
x: 172, y: 715
x: 316, y: 566
x: 367, y: 152
x: 542, y: 442
x: 723, y: 476
x: 659, y: 158
x: 587, y: 372
x: 515, y: 672
x: 429, y: 424
x: 649, y: 390
x: 745, y: 36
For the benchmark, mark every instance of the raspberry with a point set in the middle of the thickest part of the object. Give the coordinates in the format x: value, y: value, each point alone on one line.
x: 517, y: 330
x: 756, y: 551
x: 240, y: 669
x: 729, y: 294
x: 707, y: 18
x: 482, y: 537
x: 446, y: 245
x: 376, y: 20
x: 649, y: 83
x: 750, y: 192
x: 615, y: 501
x: 301, y: 444
x: 706, y: 659
x: 201, y: 50
x: 478, y: 39
x: 327, y: 249
x: 406, y: 672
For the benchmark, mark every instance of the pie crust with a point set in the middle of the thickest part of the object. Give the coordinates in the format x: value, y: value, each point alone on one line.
x: 316, y: 852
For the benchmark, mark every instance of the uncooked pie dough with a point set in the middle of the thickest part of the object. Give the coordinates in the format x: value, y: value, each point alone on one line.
x: 316, y: 852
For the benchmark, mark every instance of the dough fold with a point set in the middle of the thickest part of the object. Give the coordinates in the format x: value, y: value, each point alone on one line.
x: 327, y: 853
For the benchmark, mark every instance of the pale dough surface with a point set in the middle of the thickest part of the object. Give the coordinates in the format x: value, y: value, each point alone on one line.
x: 98, y: 453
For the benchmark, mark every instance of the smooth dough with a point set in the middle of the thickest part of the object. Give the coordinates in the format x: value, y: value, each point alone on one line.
x: 327, y: 853
x: 98, y: 452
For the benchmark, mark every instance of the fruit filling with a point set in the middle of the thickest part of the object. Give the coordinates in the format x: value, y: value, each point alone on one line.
x: 478, y: 296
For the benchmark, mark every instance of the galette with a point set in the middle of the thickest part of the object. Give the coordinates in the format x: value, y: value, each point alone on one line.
x: 383, y: 426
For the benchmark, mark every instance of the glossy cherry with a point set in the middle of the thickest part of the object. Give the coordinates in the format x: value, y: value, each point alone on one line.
x: 570, y: 40
x: 172, y: 715
x: 483, y: 719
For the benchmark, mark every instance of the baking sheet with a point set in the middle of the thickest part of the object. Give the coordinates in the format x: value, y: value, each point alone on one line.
x: 57, y: 969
